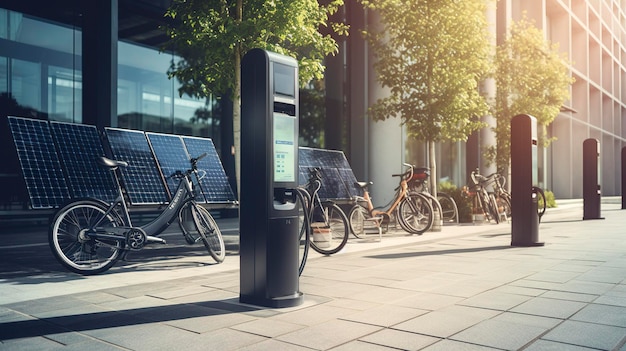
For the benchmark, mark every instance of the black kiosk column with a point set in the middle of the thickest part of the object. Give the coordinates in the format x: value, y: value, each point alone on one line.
x: 591, y: 185
x: 268, y: 215
x: 524, y: 201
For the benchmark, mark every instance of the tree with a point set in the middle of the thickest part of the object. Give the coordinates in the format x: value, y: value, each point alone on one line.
x: 212, y: 36
x: 432, y: 56
x: 533, y: 78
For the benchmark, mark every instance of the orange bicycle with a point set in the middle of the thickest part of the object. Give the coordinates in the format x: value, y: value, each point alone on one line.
x: 414, y: 213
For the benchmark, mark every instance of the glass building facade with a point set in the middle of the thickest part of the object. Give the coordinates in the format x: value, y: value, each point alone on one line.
x: 42, y: 74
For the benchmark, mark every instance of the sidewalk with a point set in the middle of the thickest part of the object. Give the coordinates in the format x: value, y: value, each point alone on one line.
x: 464, y: 288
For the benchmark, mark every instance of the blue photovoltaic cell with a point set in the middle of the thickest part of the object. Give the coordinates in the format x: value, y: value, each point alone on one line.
x: 40, y: 164
x: 350, y: 181
x: 215, y: 183
x: 141, y: 178
x: 338, y: 180
x: 78, y: 147
x: 171, y: 156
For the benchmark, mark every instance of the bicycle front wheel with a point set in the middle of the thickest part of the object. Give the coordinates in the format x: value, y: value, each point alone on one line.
x: 209, y: 232
x: 330, y: 229
x: 416, y: 214
x: 71, y: 244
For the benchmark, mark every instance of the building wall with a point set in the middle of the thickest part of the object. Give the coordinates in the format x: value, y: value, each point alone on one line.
x: 593, y: 34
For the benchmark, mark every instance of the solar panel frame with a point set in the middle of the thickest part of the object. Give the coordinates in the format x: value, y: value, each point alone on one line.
x: 142, y: 179
x: 78, y: 147
x: 215, y: 184
x: 41, y: 168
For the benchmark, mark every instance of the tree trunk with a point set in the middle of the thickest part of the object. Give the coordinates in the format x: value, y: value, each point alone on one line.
x: 237, y: 101
x: 433, y: 168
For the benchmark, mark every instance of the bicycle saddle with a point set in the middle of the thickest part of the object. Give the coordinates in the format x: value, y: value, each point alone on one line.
x: 107, y: 162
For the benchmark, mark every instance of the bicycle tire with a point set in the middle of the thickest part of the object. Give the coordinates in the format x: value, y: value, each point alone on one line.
x: 72, y: 249
x: 450, y: 211
x: 415, y: 214
x: 357, y: 217
x: 334, y: 220
x: 493, y: 208
x: 304, y: 229
x: 209, y: 232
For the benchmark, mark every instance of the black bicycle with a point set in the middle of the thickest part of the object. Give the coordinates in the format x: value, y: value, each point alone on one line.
x: 88, y: 236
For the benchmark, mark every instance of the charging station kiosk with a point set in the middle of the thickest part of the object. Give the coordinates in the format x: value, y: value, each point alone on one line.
x: 524, y: 179
x: 591, y: 186
x: 268, y: 213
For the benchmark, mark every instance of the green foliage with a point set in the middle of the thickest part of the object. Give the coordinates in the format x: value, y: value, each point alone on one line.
x: 550, y: 200
x: 212, y: 35
x: 432, y: 56
x: 533, y: 78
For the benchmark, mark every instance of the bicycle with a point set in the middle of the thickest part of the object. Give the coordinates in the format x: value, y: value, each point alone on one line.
x: 325, y: 220
x: 444, y: 203
x: 483, y: 202
x: 415, y: 217
x: 88, y: 236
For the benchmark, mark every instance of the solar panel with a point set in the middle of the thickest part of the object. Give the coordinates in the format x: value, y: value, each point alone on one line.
x: 40, y: 164
x: 78, y: 147
x: 171, y: 156
x: 349, y: 179
x: 215, y: 183
x: 337, y: 176
x: 142, y: 179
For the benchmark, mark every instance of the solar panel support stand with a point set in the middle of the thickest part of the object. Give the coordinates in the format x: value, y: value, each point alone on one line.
x: 269, y: 240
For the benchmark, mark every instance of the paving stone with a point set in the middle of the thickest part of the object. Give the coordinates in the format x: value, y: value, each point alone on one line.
x: 590, y: 335
x: 495, y: 300
x: 602, y: 314
x: 545, y: 345
x: 222, y: 339
x: 274, y: 345
x: 452, y: 345
x: 549, y: 307
x: 314, y: 315
x: 329, y: 334
x: 562, y: 295
x: 267, y: 327
x: 358, y: 345
x: 400, y: 339
x: 428, y: 301
x: 139, y: 337
x: 447, y: 321
x: 499, y: 334
x: 604, y: 275
x: 384, y: 316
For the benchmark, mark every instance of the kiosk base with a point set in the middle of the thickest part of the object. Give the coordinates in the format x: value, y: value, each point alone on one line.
x: 275, y: 302
x: 527, y: 244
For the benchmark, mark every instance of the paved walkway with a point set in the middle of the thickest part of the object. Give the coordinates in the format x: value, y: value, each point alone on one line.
x: 464, y: 288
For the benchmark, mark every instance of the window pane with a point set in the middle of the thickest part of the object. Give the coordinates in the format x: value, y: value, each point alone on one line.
x: 26, y: 83
x: 64, y: 95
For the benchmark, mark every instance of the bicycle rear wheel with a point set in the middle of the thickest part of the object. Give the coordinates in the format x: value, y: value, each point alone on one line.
x: 450, y: 211
x: 330, y: 229
x: 74, y: 248
x: 415, y: 214
x: 208, y: 232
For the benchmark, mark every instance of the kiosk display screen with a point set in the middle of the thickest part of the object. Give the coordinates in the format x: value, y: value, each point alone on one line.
x: 284, y: 135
